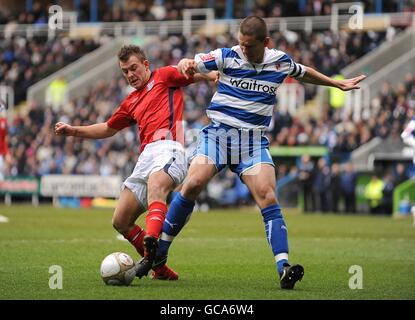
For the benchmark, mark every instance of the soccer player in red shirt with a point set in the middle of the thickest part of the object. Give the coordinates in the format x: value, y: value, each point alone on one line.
x: 157, y: 107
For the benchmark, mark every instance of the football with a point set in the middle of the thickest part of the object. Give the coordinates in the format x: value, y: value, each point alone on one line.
x: 117, y: 269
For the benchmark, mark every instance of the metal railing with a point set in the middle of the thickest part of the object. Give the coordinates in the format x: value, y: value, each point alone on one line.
x: 360, y: 156
x: 189, y: 13
x: 290, y: 97
x: 69, y: 22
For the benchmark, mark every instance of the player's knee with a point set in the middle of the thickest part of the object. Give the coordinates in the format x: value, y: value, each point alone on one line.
x: 119, y: 225
x: 116, y: 224
x: 158, y: 191
x: 193, y: 186
x: 266, y: 196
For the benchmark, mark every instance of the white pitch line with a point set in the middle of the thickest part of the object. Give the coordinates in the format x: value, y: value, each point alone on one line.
x: 121, y: 237
x: 75, y: 240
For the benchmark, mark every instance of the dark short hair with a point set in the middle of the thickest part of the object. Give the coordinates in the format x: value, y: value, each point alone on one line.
x: 254, y: 26
x: 128, y: 50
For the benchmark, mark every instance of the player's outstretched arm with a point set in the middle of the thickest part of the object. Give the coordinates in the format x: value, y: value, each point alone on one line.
x: 211, y: 76
x: 95, y: 131
x: 313, y: 76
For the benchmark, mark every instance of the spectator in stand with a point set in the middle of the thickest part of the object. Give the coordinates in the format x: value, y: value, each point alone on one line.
x: 321, y: 185
x: 374, y: 194
x: 337, y: 99
x: 56, y: 93
x: 348, y: 182
x: 400, y: 174
x: 305, y: 179
x: 335, y: 187
x: 387, y: 199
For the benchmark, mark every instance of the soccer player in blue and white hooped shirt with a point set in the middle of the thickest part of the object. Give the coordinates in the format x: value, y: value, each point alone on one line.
x: 408, y: 135
x: 240, y: 111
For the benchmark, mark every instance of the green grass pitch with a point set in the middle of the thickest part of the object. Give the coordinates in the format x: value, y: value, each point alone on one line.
x: 219, y: 255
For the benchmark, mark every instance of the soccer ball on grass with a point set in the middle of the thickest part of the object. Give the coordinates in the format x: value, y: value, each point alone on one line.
x: 118, y: 269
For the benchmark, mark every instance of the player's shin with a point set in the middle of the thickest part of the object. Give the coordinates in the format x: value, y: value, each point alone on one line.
x: 154, y: 221
x: 179, y: 213
x: 135, y: 237
x: 276, y: 233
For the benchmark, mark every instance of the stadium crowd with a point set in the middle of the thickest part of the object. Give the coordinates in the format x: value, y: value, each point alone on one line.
x: 326, y: 51
x: 156, y: 10
x: 25, y: 61
x: 35, y: 151
x: 390, y: 111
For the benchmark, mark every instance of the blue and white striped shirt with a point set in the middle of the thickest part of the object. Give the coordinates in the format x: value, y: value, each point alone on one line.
x: 408, y: 135
x: 246, y: 92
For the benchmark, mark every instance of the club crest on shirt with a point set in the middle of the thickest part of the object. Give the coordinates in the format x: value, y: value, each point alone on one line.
x: 207, y: 57
x: 278, y: 66
x: 150, y: 85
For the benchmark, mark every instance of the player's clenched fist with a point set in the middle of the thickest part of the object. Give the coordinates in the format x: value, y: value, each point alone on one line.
x: 63, y: 129
x: 187, y: 67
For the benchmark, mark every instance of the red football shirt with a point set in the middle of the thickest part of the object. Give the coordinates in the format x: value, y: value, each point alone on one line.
x: 157, y: 108
x: 3, y: 134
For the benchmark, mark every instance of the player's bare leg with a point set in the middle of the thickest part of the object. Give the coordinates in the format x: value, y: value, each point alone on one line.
x: 158, y: 187
x: 123, y: 220
x: 126, y: 213
x: 200, y: 172
x: 260, y: 180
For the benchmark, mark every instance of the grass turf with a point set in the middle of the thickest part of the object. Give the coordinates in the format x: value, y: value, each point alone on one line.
x: 219, y: 255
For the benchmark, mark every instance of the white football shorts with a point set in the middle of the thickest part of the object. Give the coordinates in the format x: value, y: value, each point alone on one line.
x: 164, y: 155
x: 2, y: 167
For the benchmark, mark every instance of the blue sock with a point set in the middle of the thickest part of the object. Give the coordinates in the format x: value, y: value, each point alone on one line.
x: 276, y: 232
x: 179, y: 213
